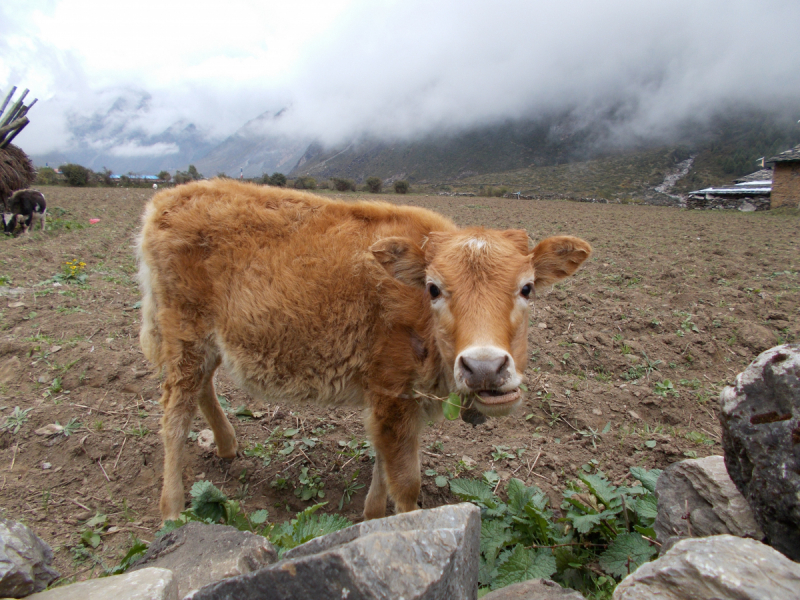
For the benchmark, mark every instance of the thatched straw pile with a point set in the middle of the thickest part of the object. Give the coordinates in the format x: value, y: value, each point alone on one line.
x: 16, y: 171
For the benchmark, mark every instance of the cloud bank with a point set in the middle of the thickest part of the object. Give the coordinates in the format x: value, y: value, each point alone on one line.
x: 391, y: 69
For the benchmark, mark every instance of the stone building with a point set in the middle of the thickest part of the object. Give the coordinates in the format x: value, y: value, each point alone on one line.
x: 749, y: 194
x: 786, y: 179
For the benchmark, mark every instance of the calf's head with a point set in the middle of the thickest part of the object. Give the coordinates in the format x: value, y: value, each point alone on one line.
x: 480, y: 283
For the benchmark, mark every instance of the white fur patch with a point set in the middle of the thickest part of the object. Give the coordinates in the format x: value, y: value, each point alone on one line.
x: 476, y: 244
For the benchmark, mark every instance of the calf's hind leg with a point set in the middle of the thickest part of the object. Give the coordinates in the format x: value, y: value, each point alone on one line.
x: 224, y: 434
x: 184, y: 389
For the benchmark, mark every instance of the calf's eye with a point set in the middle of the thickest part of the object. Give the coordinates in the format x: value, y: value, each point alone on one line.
x: 434, y: 291
x: 526, y: 290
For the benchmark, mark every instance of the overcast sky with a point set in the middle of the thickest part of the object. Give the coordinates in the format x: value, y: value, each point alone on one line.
x: 390, y: 68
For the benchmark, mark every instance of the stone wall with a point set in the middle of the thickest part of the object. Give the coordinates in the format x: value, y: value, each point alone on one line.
x: 746, y: 204
x: 786, y: 185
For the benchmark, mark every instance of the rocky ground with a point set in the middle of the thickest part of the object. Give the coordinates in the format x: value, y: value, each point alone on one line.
x: 627, y: 361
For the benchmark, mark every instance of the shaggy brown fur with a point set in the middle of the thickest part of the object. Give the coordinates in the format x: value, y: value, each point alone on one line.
x: 308, y: 299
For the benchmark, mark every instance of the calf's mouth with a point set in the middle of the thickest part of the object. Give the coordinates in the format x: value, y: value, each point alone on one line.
x: 494, y: 403
x: 496, y: 397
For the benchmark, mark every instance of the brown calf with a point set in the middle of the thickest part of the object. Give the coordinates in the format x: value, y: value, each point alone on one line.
x: 308, y: 299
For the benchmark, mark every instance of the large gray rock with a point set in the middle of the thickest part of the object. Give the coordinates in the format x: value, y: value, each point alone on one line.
x: 722, y: 567
x: 760, y: 416
x: 421, y: 555
x: 200, y: 554
x: 696, y: 498
x: 147, y: 584
x: 24, y: 561
x: 534, y: 589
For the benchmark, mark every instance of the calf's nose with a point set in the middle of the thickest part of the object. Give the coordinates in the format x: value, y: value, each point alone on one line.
x: 484, y: 374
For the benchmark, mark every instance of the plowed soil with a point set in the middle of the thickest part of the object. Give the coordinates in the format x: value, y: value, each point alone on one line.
x: 627, y: 361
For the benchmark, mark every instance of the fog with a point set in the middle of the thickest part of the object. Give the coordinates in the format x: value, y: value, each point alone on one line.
x: 111, y: 77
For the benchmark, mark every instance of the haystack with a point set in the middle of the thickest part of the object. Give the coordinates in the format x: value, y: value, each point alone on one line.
x: 16, y: 171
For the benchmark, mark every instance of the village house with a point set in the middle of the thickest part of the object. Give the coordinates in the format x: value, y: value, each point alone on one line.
x: 768, y: 188
x: 747, y: 194
x: 786, y: 179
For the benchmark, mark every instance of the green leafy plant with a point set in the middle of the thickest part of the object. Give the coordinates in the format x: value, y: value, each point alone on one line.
x: 139, y: 431
x: 211, y: 505
x: 350, y: 488
x: 311, y: 485
x: 602, y: 525
x: 664, y: 388
x: 16, y: 419
x: 72, y: 426
x: 72, y: 271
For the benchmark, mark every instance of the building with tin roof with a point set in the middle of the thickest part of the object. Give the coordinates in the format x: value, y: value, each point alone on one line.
x: 786, y: 179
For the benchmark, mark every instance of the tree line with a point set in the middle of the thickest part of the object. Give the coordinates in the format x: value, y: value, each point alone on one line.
x: 79, y: 176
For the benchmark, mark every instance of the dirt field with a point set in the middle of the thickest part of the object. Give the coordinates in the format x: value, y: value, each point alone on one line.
x: 627, y: 361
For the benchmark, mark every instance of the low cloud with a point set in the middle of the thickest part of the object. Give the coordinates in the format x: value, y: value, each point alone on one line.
x: 134, y: 149
x: 405, y: 69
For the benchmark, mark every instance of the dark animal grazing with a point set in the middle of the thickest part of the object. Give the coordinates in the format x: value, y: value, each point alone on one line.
x: 303, y: 298
x: 22, y: 207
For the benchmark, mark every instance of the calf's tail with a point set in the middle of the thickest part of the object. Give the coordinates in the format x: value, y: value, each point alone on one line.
x: 150, y: 334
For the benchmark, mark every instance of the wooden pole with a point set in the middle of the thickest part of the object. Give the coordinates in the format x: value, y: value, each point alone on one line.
x: 10, y: 138
x: 12, y: 126
x: 14, y: 109
x: 8, y: 97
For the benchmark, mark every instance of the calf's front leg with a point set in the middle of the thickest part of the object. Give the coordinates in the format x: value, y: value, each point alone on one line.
x: 394, y: 427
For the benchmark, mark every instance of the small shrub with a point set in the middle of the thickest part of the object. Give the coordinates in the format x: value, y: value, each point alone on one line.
x: 276, y: 179
x: 305, y: 183
x: 374, y: 185
x: 343, y: 185
x: 401, y: 187
x: 77, y: 176
x: 46, y: 176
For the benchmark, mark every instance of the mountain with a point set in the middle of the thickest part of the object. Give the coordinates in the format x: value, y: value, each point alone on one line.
x: 440, y: 157
x: 567, y: 154
x: 119, y: 137
x: 253, y: 150
x: 572, y: 151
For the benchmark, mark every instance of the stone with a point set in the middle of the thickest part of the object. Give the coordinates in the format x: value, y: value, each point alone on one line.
x: 696, y: 498
x: 205, y: 439
x: 760, y: 417
x: 418, y: 555
x: 534, y: 589
x: 721, y: 567
x: 147, y: 584
x: 755, y: 337
x: 200, y: 554
x: 25, y: 561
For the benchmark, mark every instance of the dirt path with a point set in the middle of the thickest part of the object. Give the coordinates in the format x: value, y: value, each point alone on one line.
x: 627, y: 361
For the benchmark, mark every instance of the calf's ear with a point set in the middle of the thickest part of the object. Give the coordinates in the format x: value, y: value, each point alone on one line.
x: 555, y: 258
x: 402, y: 258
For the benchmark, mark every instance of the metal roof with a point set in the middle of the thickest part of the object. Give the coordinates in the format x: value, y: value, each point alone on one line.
x: 737, y: 190
x: 790, y: 155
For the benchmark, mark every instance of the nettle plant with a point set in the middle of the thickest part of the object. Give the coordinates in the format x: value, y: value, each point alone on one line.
x: 211, y: 505
x: 605, y: 531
